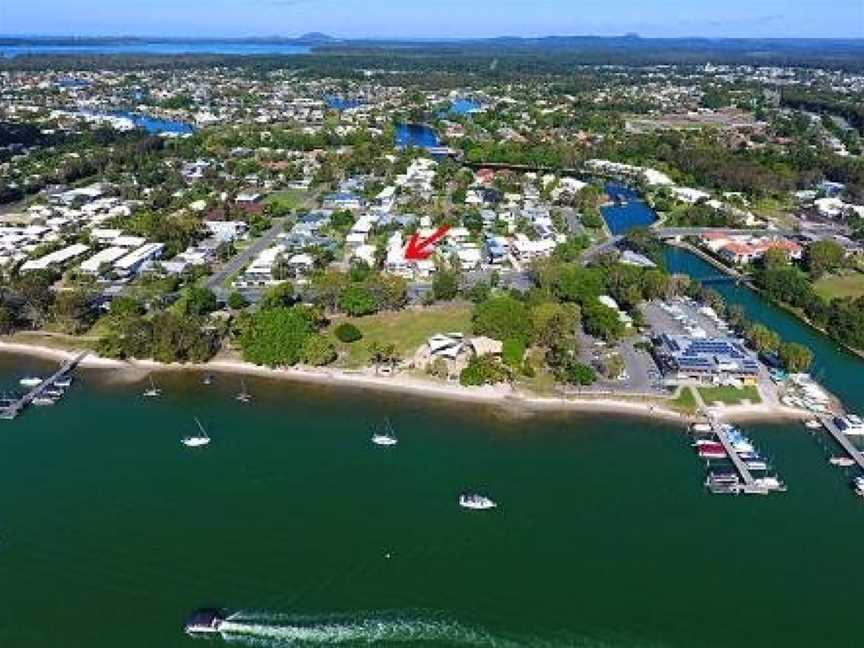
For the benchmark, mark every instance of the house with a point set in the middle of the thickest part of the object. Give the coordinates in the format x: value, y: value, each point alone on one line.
x: 134, y: 261
x: 343, y: 200
x: 55, y: 259
x: 103, y: 259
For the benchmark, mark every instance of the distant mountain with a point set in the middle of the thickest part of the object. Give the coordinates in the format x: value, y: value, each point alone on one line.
x: 313, y: 38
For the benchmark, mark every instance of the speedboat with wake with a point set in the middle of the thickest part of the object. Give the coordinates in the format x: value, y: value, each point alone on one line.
x: 387, y: 437
x: 204, y: 621
x: 197, y: 440
x: 476, y: 502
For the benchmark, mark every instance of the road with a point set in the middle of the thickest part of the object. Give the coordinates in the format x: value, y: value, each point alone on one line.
x: 234, y: 265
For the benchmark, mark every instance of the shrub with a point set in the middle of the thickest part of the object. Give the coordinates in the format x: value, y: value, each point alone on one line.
x: 348, y: 333
x: 318, y: 351
x: 483, y: 370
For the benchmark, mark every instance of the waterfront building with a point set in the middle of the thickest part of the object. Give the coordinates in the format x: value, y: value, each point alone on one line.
x: 706, y: 359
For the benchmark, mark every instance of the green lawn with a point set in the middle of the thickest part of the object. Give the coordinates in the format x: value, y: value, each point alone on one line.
x: 729, y: 395
x: 685, y: 401
x: 287, y: 199
x: 406, y: 329
x: 846, y: 285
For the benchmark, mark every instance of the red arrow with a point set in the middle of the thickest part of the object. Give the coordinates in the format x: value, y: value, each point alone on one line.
x: 416, y: 249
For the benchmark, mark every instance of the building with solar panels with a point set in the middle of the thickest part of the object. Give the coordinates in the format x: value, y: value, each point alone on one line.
x: 705, y: 359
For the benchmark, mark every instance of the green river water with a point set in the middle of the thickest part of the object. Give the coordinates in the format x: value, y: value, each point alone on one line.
x: 111, y: 531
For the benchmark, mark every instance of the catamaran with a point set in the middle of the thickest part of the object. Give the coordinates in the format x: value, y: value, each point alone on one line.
x: 244, y: 396
x: 154, y: 391
x: 387, y: 437
x: 476, y: 502
x: 197, y: 440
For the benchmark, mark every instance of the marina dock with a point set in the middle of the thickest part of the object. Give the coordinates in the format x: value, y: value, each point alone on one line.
x: 843, y: 440
x: 749, y: 484
x: 14, y: 409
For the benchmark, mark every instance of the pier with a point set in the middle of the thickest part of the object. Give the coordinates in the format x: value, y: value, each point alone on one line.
x: 14, y: 409
x: 843, y: 440
x: 749, y: 484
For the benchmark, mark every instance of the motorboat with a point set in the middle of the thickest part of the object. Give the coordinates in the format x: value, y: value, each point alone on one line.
x: 845, y: 462
x: 812, y: 424
x: 197, y: 440
x: 771, y: 483
x: 858, y: 486
x: 756, y: 464
x: 64, y: 382
x: 154, y: 391
x: 44, y: 400
x: 701, y: 427
x: 208, y: 379
x: 476, y: 502
x: 204, y: 621
x: 387, y: 437
x: 30, y: 381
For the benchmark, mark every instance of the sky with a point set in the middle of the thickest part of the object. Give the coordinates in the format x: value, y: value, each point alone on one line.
x: 435, y: 18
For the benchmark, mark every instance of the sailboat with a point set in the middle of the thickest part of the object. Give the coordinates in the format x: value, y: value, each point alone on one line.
x: 244, y: 396
x: 154, y: 391
x: 197, y: 440
x: 387, y: 437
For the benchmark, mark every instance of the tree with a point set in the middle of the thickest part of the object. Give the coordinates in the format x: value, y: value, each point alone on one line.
x: 73, y: 312
x: 502, y: 317
x: 275, y: 336
x: 357, y: 300
x: 236, y: 301
x: 796, y: 358
x: 762, y: 338
x: 348, y: 333
x: 823, y: 257
x: 775, y: 258
x: 445, y: 285
x: 574, y: 372
x: 381, y: 353
x: 279, y: 295
x: 198, y: 300
x: 8, y: 319
x: 318, y: 351
x: 513, y: 350
x: 554, y: 325
x: 601, y: 321
x: 483, y: 370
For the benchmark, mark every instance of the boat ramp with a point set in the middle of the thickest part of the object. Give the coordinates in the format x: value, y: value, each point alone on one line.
x: 14, y: 408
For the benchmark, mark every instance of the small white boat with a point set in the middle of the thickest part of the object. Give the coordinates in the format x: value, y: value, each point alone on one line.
x: 30, y: 381
x: 64, y: 382
x: 387, y: 437
x: 812, y: 424
x: 845, y: 462
x: 154, y: 391
x: 701, y: 427
x: 43, y: 400
x: 197, y: 440
x: 858, y: 486
x: 476, y: 502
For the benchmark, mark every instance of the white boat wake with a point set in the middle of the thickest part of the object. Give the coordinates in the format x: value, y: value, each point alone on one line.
x: 266, y: 630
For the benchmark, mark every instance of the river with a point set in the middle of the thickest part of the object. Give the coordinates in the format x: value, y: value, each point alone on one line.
x: 630, y: 212
x: 111, y: 531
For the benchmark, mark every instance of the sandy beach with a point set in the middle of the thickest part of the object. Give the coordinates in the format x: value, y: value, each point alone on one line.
x: 509, y: 398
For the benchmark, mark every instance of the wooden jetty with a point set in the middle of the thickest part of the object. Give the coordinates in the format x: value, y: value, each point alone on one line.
x: 841, y: 438
x: 12, y: 410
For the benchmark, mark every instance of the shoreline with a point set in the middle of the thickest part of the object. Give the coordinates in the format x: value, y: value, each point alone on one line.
x: 508, y: 398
